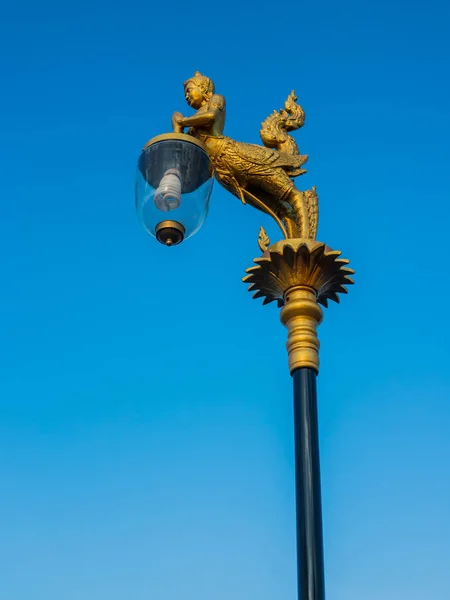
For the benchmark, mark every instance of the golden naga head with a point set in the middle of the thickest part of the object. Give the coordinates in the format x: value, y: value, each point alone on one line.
x: 205, y: 84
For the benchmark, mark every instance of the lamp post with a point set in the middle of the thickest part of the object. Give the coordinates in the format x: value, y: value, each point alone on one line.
x: 301, y: 274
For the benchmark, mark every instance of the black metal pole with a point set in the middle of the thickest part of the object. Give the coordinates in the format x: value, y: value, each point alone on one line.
x: 310, y: 567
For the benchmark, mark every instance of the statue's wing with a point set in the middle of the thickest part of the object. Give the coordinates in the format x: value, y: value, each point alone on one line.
x: 266, y: 157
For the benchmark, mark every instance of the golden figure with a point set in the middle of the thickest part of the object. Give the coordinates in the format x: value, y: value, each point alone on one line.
x: 258, y: 175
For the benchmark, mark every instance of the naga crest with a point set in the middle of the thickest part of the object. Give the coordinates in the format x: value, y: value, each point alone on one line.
x: 274, y: 130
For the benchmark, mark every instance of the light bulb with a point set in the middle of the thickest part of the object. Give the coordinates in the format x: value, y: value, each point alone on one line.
x: 168, y: 194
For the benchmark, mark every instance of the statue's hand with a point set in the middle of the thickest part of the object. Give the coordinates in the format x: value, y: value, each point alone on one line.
x: 177, y: 119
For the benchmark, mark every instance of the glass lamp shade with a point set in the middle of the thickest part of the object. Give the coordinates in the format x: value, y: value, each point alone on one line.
x: 173, y: 186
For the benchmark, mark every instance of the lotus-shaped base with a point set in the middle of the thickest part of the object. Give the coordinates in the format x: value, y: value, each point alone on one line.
x: 300, y: 274
x: 299, y: 262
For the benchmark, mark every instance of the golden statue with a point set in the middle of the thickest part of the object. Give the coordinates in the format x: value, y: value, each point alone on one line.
x: 298, y: 272
x: 258, y: 175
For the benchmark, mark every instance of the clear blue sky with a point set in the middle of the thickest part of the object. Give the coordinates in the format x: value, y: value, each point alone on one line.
x: 146, y: 439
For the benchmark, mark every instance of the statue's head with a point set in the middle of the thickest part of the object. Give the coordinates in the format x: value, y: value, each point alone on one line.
x: 198, y: 89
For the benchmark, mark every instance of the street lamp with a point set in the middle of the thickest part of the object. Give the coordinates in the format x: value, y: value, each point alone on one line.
x: 300, y: 273
x: 173, y: 186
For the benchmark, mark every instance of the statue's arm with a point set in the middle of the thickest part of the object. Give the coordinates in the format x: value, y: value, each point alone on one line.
x: 216, y: 105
